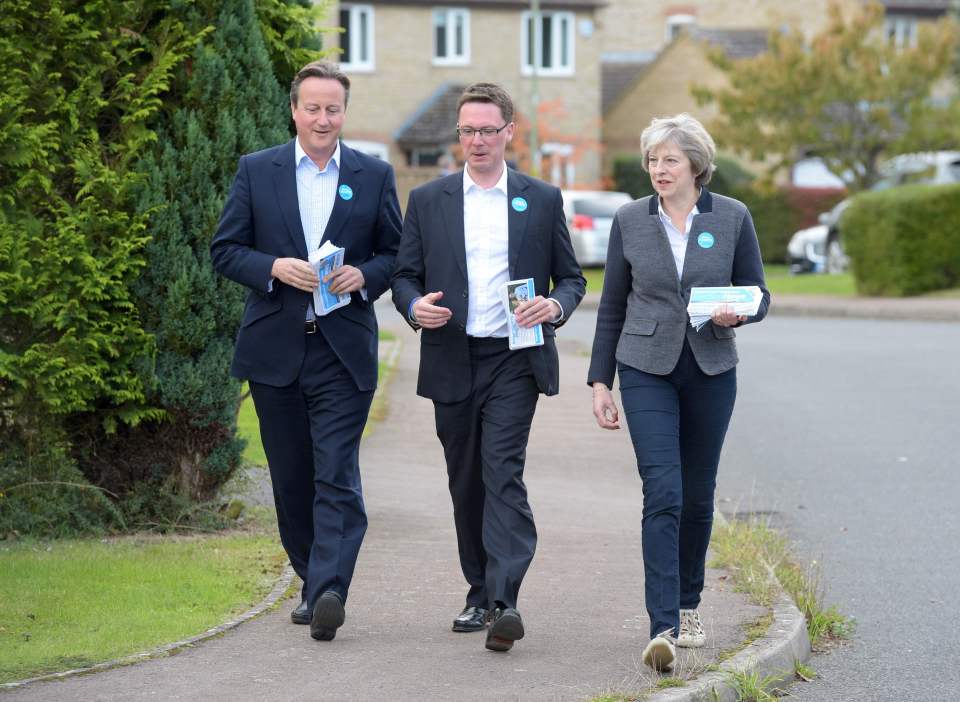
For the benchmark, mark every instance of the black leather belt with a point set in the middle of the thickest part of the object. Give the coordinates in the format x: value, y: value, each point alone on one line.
x: 310, y: 326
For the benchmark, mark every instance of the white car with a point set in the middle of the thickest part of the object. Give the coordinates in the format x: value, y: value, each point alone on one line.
x: 589, y: 216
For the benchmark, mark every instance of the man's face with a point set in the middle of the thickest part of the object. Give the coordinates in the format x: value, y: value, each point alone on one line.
x: 319, y: 115
x: 484, y: 154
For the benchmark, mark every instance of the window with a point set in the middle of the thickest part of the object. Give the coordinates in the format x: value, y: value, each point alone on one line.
x: 901, y: 30
x: 677, y: 23
x: 356, y: 41
x: 451, y: 37
x: 547, y: 44
x: 371, y: 148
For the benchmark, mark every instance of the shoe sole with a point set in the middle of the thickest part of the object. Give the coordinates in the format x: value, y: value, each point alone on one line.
x: 300, y: 619
x: 658, y: 655
x: 503, y: 632
x: 683, y: 643
x: 328, y: 616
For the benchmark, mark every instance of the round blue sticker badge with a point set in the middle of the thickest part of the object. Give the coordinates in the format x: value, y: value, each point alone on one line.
x: 519, y: 204
x: 346, y: 192
x: 705, y: 240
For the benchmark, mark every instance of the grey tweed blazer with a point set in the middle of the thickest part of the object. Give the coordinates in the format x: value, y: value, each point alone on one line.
x: 642, y: 319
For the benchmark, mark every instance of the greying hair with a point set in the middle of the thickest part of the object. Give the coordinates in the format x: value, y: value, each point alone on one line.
x: 689, y: 135
x: 320, y: 69
x: 488, y: 92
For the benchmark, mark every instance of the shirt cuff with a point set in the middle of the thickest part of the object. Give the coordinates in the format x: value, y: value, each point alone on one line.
x: 560, y: 318
x: 410, y: 315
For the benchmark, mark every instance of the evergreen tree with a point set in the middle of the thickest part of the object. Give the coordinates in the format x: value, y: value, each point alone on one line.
x: 228, y: 103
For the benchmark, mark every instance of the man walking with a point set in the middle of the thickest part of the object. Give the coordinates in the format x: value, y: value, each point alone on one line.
x: 312, y: 377
x: 464, y: 236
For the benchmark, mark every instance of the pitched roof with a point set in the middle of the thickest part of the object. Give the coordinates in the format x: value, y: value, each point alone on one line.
x: 917, y: 7
x: 736, y: 43
x: 616, y: 77
x: 435, y: 121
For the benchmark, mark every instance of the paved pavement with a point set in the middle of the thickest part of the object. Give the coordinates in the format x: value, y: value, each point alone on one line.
x: 582, y: 601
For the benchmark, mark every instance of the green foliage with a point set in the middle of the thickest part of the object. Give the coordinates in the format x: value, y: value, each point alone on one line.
x: 289, y: 29
x: 228, y: 103
x: 903, y: 241
x: 45, y: 495
x: 629, y: 177
x: 849, y: 97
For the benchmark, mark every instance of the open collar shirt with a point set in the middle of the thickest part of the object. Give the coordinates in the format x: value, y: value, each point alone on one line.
x: 486, y: 238
x: 677, y: 238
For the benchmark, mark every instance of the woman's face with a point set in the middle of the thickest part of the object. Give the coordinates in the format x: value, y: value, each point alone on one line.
x: 671, y: 172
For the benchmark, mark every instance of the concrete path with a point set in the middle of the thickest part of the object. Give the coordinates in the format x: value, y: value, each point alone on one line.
x: 582, y: 600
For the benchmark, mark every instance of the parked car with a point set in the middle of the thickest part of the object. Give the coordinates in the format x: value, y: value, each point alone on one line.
x: 819, y: 249
x: 589, y: 218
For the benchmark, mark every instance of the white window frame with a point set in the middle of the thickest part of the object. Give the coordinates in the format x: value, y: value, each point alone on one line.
x: 357, y: 40
x: 449, y: 16
x: 371, y: 148
x: 557, y: 20
x: 901, y: 30
x: 676, y: 24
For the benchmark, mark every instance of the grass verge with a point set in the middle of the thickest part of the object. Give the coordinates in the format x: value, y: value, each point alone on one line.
x: 779, y: 281
x: 760, y: 563
x: 73, y: 603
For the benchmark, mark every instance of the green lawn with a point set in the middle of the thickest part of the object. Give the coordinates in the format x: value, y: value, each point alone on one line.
x: 72, y: 603
x: 779, y: 281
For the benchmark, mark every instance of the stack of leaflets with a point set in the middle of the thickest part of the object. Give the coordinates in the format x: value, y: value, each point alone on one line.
x: 512, y: 294
x: 745, y: 300
x: 325, y: 260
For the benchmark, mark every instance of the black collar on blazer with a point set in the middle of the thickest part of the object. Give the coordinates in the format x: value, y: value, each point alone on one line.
x: 704, y: 202
x: 285, y: 183
x: 451, y: 211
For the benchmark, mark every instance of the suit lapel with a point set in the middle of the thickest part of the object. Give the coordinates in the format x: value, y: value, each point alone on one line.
x: 518, y: 214
x: 285, y: 185
x: 662, y: 243
x: 348, y: 190
x: 704, y: 221
x: 451, y: 211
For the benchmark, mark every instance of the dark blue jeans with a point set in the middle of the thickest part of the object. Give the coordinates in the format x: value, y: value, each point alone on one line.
x: 677, y: 425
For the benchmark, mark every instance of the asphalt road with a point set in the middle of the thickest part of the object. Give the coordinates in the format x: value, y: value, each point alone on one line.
x: 845, y: 431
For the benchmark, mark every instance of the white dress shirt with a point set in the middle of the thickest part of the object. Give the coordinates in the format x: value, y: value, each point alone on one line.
x: 677, y: 238
x: 486, y: 237
x: 316, y: 192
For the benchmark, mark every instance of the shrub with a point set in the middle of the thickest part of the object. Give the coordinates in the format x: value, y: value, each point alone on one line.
x: 904, y: 241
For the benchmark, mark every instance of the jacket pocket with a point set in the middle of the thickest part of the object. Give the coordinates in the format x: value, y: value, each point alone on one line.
x: 723, y: 332
x: 641, y: 327
x: 261, y: 308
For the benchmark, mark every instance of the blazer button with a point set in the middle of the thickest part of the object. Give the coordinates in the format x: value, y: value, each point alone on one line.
x: 463, y: 327
x: 464, y: 293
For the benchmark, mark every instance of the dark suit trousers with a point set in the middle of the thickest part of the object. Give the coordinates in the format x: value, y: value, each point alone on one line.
x: 311, y: 434
x: 484, y: 441
x: 677, y: 425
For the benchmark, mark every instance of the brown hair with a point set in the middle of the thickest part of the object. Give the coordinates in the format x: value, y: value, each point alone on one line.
x: 320, y: 69
x: 488, y: 92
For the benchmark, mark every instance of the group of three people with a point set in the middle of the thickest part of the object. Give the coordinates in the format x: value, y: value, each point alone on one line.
x: 463, y: 236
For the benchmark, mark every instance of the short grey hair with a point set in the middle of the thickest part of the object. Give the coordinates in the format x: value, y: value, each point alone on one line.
x: 688, y: 134
x: 320, y: 69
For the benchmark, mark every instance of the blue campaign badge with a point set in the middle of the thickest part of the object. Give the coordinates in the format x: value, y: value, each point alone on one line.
x: 519, y: 204
x: 346, y: 192
x: 705, y: 240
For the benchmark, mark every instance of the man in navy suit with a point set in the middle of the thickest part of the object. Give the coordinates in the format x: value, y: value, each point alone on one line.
x: 312, y: 377
x: 464, y: 236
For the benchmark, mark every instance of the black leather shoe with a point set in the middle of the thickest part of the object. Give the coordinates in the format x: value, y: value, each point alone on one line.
x: 301, y: 615
x: 328, y: 616
x: 506, y: 626
x: 471, y: 619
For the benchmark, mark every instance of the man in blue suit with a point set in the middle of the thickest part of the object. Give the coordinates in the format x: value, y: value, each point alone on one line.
x: 312, y: 377
x: 464, y: 236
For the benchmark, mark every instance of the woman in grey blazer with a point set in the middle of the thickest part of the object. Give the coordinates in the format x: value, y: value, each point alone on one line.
x: 678, y: 385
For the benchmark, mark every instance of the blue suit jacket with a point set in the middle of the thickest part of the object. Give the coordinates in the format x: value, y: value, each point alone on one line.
x: 433, y: 257
x: 261, y: 222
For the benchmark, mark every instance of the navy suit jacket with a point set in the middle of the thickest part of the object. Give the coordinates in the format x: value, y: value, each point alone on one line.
x: 433, y: 257
x: 261, y: 222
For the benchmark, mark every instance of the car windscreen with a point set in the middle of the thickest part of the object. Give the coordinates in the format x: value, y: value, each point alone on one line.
x: 599, y: 207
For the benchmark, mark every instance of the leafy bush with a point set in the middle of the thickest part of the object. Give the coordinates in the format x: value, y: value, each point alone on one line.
x: 904, y: 241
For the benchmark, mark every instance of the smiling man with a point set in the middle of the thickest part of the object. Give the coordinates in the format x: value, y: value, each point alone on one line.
x: 464, y: 236
x: 312, y: 377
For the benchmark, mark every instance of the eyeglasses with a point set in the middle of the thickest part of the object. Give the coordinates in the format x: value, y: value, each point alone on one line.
x: 485, y: 132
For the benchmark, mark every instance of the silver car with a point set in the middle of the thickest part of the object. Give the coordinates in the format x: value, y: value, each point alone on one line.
x: 589, y: 218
